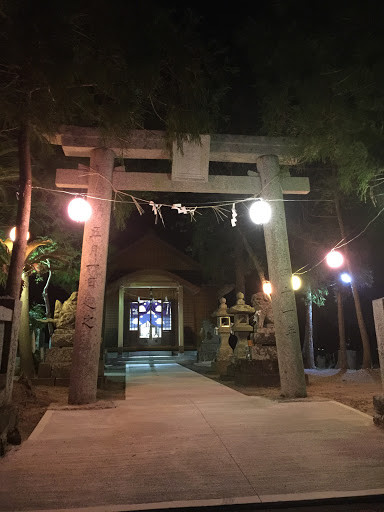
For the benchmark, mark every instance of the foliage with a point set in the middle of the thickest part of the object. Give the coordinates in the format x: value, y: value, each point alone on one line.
x: 318, y: 297
x: 36, y: 313
x: 109, y: 75
x: 314, y: 87
x: 43, y: 256
x: 214, y: 240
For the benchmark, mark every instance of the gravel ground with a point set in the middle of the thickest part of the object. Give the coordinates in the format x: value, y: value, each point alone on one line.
x: 354, y: 388
x: 33, y: 401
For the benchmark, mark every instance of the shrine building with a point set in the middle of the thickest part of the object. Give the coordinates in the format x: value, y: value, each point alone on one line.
x: 155, y: 299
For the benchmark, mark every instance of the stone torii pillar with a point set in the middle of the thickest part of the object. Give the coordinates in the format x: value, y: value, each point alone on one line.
x: 89, y: 314
x: 290, y: 360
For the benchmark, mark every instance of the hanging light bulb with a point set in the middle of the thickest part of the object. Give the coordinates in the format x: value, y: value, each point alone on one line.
x: 296, y: 282
x: 346, y: 278
x: 79, y: 210
x: 12, y: 234
x: 267, y: 288
x: 260, y: 212
x: 334, y: 259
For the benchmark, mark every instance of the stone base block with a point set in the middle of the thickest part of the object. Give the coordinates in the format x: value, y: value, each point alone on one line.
x: 229, y: 373
x: 8, y: 427
x: 265, y: 336
x: 60, y: 360
x: 208, y: 351
x: 48, y: 381
x: 256, y: 373
x: 220, y: 367
x: 378, y: 404
x: 263, y: 353
x: 61, y: 381
x: 62, y: 372
x: 62, y: 338
x: 44, y: 371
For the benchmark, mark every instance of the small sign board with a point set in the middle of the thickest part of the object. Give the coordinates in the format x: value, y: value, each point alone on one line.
x: 191, y: 162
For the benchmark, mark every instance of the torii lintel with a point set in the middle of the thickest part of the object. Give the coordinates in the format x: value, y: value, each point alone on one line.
x: 190, y: 164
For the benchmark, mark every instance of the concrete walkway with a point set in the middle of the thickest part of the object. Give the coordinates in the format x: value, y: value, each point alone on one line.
x: 181, y: 439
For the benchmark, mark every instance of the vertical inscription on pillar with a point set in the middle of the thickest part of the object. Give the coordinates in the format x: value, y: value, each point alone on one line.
x: 92, y: 280
x: 89, y: 317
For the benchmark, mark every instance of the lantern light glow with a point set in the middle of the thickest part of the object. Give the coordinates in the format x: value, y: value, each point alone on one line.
x: 79, y: 210
x: 296, y: 282
x: 267, y: 288
x: 12, y: 234
x: 260, y: 212
x: 346, y: 278
x: 334, y: 259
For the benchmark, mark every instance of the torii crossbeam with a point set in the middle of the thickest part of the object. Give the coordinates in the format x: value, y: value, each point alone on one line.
x: 190, y: 173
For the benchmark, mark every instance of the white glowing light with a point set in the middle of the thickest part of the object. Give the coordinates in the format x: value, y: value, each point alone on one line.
x: 334, y: 259
x: 267, y: 288
x: 79, y: 210
x: 296, y: 282
x: 346, y: 278
x: 260, y: 212
x: 12, y: 234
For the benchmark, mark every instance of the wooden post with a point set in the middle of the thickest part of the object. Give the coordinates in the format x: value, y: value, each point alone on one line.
x: 180, y: 311
x: 120, y: 334
x: 378, y: 315
x: 89, y: 314
x: 10, y: 310
x: 291, y: 367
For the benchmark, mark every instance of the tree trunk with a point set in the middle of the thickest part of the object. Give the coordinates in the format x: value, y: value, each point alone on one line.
x: 23, y: 215
x: 255, y: 260
x: 239, y: 266
x: 342, y: 359
x: 308, y: 350
x: 25, y: 340
x: 367, y: 361
x: 47, y: 304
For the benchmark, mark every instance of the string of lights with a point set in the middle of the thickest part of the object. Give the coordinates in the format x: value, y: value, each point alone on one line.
x: 260, y: 207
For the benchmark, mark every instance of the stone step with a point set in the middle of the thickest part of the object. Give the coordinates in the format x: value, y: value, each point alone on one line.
x: 137, y: 360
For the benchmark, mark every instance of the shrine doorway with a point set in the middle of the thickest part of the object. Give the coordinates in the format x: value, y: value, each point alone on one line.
x: 145, y: 312
x: 150, y: 319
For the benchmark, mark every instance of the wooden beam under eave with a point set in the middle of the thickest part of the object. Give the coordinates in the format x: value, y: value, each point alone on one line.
x: 159, y: 182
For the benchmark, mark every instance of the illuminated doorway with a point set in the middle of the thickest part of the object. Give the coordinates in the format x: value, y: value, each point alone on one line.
x: 150, y: 318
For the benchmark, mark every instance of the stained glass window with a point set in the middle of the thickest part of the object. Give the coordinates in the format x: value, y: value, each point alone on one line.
x: 149, y: 317
x: 167, y: 318
x: 134, y: 316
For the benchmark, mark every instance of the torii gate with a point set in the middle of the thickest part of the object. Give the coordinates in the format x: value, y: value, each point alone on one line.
x: 190, y: 173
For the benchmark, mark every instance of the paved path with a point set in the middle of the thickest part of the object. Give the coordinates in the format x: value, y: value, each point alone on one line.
x: 180, y: 437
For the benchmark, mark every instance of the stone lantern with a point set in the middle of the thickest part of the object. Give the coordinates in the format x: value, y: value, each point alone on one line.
x: 241, y: 327
x: 225, y: 353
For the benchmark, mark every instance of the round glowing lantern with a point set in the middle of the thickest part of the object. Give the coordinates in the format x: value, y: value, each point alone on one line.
x: 296, y: 282
x: 346, y: 278
x: 267, y: 288
x: 12, y: 234
x: 334, y: 259
x: 260, y: 212
x: 79, y: 210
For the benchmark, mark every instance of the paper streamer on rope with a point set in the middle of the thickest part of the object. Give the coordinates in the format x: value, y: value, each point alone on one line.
x: 139, y: 208
x: 234, y: 216
x: 185, y: 210
x: 156, y: 208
